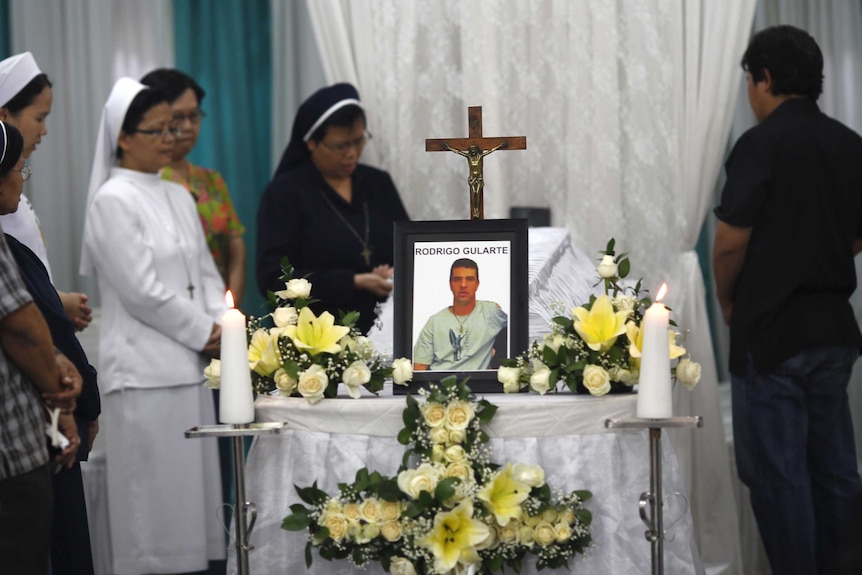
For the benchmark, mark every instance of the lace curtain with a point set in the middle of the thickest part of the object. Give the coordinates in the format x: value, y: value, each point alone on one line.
x: 626, y: 107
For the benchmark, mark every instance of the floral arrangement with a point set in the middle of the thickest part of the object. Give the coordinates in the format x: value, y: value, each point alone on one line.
x: 453, y: 512
x: 297, y: 353
x: 597, y: 348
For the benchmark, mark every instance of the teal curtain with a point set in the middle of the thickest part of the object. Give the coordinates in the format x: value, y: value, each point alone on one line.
x: 5, y: 40
x: 225, y: 46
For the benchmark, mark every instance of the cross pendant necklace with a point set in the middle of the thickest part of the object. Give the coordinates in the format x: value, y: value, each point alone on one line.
x: 366, y: 249
x: 178, y: 234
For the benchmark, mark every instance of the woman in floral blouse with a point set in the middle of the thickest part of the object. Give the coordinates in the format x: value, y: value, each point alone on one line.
x: 222, y: 227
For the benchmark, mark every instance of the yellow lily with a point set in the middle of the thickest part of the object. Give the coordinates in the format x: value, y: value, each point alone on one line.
x: 314, y: 334
x: 263, y: 353
x: 600, y: 326
x: 454, y: 537
x: 636, y: 341
x: 503, y: 496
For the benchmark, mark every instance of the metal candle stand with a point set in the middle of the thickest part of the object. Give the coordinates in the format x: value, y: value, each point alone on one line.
x: 652, y: 499
x: 242, y: 508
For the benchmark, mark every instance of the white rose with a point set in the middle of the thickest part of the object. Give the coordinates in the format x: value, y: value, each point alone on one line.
x: 461, y: 470
x: 563, y: 532
x: 391, y: 531
x: 298, y: 287
x: 525, y: 535
x: 363, y: 347
x: 336, y: 523
x: 554, y: 341
x: 457, y: 436
x: 414, y: 481
x: 459, y: 414
x: 544, y: 533
x: 370, y: 510
x: 509, y: 532
x: 285, y: 384
x: 390, y: 510
x: 688, y: 372
x: 596, y: 380
x: 439, y: 435
x: 532, y: 475
x: 625, y: 302
x: 434, y: 414
x: 509, y: 377
x: 621, y: 375
x: 402, y: 371
x: 285, y: 316
x: 437, y: 452
x: 607, y: 267
x: 312, y: 383
x: 401, y: 566
x: 213, y: 374
x: 455, y: 453
x: 540, y: 381
x: 354, y: 377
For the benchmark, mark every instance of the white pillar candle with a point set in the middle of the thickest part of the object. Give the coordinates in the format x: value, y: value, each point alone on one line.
x: 654, y: 389
x: 236, y: 401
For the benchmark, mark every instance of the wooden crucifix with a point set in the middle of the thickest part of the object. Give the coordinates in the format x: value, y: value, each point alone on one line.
x: 475, y: 148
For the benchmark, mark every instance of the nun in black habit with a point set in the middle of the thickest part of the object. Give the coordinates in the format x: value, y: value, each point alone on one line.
x: 330, y: 215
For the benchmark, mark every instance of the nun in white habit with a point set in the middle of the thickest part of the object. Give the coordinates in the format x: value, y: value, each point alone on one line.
x: 162, y: 299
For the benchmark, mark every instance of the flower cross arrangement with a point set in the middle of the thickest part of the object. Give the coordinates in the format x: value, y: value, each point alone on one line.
x: 453, y: 512
x: 298, y: 353
x: 597, y: 348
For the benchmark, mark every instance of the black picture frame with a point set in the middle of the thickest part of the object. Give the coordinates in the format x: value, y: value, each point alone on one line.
x: 424, y: 253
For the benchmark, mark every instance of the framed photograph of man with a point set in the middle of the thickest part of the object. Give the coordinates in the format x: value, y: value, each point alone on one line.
x: 460, y: 299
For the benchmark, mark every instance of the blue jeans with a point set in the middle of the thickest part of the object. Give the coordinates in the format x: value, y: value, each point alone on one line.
x: 794, y: 445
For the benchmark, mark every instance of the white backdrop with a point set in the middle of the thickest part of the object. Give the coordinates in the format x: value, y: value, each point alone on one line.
x: 626, y: 107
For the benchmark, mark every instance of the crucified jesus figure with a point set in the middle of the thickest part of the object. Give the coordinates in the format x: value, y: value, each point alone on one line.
x: 475, y: 157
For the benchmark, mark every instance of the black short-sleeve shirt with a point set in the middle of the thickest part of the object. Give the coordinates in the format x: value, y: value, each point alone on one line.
x: 796, y: 180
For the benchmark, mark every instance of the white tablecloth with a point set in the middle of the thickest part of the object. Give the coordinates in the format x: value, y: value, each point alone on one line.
x: 565, y: 434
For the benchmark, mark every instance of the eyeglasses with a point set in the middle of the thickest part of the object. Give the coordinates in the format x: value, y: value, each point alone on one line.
x: 193, y: 117
x: 345, y: 147
x: 160, y: 132
x: 25, y: 173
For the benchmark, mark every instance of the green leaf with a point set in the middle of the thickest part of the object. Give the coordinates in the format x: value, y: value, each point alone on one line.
x: 388, y: 490
x: 583, y: 494
x: 609, y: 250
x: 584, y: 516
x: 311, y: 495
x: 445, y: 489
x: 487, y: 411
x: 563, y: 321
x: 624, y: 267
x: 549, y: 356
x: 308, y: 556
x: 414, y: 509
x: 496, y: 563
x: 349, y: 319
x: 405, y: 436
x: 543, y: 492
x: 291, y: 368
x: 296, y: 522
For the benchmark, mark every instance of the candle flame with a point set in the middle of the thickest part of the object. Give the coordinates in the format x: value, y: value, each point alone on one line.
x: 662, y: 291
x: 228, y: 299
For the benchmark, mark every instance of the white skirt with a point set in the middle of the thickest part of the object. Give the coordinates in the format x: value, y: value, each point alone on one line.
x: 164, y: 491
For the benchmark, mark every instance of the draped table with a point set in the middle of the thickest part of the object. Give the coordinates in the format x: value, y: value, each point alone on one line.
x: 563, y: 433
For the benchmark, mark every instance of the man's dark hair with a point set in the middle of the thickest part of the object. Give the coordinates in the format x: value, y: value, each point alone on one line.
x: 792, y: 57
x: 464, y: 263
x: 173, y: 83
x: 343, y: 118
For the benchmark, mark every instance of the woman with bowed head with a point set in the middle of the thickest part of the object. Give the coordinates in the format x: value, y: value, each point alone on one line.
x: 329, y: 214
x: 221, y: 225
x: 161, y: 300
x: 26, y: 97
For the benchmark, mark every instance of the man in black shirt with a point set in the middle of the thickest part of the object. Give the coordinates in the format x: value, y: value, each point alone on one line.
x: 790, y: 223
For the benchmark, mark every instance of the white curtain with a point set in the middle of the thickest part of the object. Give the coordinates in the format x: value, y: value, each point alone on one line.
x: 297, y: 68
x: 626, y: 107
x: 83, y: 46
